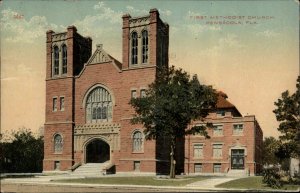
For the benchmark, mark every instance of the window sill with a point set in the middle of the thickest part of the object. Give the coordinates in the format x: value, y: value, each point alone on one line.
x: 218, y: 135
x: 138, y: 152
x: 60, y: 153
x: 217, y: 158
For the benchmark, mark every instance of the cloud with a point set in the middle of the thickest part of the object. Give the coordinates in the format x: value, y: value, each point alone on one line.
x: 195, y: 29
x: 267, y: 33
x: 132, y: 10
x: 165, y: 12
x: 135, y: 11
x: 99, y: 24
x: 229, y: 42
x: 19, y: 29
x: 108, y: 14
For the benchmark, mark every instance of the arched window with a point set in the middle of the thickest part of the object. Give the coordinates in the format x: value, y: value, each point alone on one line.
x: 99, y: 106
x: 58, y: 143
x: 64, y: 59
x: 137, y: 141
x: 134, y: 48
x: 145, y: 46
x: 56, y: 61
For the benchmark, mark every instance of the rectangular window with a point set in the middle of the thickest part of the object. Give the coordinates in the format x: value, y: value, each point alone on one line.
x: 56, y: 165
x: 217, y: 168
x: 217, y: 150
x: 54, y: 104
x: 238, y: 129
x: 133, y: 93
x: 198, y: 167
x: 62, y: 103
x: 136, y: 166
x: 143, y: 93
x: 198, y: 151
x: 220, y: 113
x: 218, y: 130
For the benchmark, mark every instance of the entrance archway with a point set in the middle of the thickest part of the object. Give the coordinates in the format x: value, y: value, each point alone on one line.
x: 97, y: 151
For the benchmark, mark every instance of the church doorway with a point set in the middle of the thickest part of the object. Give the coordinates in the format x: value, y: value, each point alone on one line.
x: 97, y: 151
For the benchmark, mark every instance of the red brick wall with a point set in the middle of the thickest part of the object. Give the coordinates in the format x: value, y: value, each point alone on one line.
x: 120, y: 85
x: 66, y: 156
x: 125, y: 39
x: 246, y: 140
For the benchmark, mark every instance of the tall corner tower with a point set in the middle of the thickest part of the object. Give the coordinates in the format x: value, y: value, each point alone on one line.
x: 66, y: 54
x: 145, y: 41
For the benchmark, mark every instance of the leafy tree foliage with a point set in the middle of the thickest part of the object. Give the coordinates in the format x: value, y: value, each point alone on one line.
x: 171, y: 103
x: 271, y: 177
x: 23, y: 153
x: 288, y: 114
x: 270, y: 149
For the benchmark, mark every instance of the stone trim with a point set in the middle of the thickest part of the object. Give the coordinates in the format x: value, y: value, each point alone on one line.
x: 108, y: 132
x: 83, y: 102
x: 140, y: 159
x: 58, y: 122
x: 139, y: 67
x: 58, y: 159
x: 139, y: 19
x: 99, y: 128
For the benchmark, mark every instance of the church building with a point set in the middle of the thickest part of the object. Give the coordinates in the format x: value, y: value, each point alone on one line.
x: 88, y: 116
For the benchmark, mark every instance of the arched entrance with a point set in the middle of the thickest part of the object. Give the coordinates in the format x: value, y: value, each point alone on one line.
x: 97, y: 151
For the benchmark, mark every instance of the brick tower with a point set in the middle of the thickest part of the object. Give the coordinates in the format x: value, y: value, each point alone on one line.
x: 66, y: 54
x: 157, y: 33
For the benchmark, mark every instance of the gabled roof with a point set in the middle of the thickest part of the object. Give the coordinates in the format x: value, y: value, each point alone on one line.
x: 223, y: 103
x: 100, y: 56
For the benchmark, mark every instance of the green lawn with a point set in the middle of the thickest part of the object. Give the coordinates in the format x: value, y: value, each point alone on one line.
x: 252, y: 183
x: 149, y: 180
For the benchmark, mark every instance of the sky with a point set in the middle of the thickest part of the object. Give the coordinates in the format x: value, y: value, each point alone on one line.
x: 247, y: 49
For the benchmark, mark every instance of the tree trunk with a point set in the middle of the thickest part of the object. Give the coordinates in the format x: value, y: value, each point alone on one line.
x: 172, y: 159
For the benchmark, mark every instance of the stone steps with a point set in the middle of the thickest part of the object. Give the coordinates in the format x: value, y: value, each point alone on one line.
x: 237, y: 173
x: 90, y: 169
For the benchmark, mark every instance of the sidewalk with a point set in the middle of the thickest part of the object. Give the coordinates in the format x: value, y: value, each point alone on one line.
x: 204, y: 185
x: 210, y: 183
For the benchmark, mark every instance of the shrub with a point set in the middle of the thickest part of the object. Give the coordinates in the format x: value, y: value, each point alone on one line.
x: 271, y: 177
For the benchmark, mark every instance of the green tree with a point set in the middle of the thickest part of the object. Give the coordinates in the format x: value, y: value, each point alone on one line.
x: 288, y: 114
x: 22, y: 153
x: 270, y: 149
x: 171, y: 103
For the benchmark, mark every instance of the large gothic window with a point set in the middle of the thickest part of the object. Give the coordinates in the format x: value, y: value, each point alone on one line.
x: 134, y: 48
x: 98, y: 106
x: 137, y: 141
x: 145, y: 46
x: 64, y: 59
x: 58, y: 143
x: 56, y: 61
